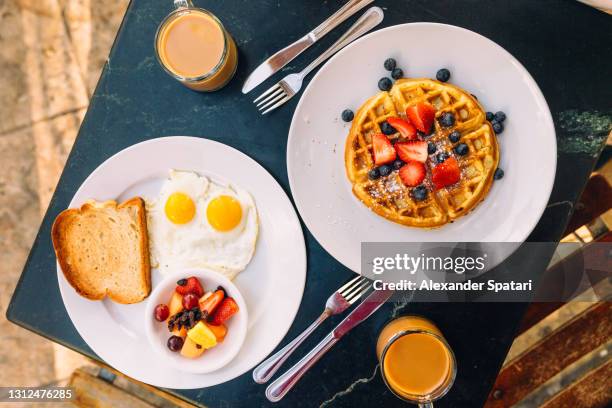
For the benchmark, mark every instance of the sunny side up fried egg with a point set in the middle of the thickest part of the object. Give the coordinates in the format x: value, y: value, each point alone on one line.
x: 197, y: 223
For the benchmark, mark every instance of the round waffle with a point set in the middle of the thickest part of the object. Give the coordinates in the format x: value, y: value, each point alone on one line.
x: 388, y: 196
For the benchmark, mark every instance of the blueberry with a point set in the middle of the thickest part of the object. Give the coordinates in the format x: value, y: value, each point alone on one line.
x: 443, y: 75
x: 447, y: 119
x: 454, y: 136
x: 462, y: 149
x: 384, y: 84
x: 441, y: 157
x: 498, y: 127
x: 499, y: 173
x: 387, y: 129
x: 390, y: 64
x: 500, y: 116
x: 347, y: 115
x: 397, y: 73
x: 398, y: 164
x: 431, y: 148
x: 373, y: 174
x: 181, y: 282
x: 490, y: 116
x: 384, y: 170
x: 419, y: 193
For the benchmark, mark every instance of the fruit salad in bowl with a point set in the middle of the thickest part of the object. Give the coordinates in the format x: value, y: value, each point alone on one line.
x: 197, y: 320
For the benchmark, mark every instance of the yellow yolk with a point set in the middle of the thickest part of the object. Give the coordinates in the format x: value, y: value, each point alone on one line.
x: 224, y: 213
x: 180, y: 208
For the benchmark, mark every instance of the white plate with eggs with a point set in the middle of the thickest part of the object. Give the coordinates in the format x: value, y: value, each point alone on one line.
x: 263, y: 250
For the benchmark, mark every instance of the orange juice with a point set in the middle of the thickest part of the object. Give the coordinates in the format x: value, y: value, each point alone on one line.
x: 416, y: 362
x: 193, y: 46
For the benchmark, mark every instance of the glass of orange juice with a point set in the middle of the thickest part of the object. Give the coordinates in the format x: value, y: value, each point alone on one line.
x: 192, y: 46
x: 416, y: 362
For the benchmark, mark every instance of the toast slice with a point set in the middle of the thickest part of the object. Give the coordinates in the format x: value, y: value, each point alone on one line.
x: 103, y: 250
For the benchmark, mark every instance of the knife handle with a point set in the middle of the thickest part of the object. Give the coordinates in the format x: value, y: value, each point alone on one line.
x: 350, y: 8
x: 370, y: 19
x: 281, y: 386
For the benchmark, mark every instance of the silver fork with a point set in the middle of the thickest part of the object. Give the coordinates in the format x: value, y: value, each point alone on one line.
x: 287, y: 87
x: 337, y: 303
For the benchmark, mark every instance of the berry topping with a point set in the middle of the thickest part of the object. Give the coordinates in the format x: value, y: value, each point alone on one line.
x: 226, y: 309
x: 461, y: 149
x: 390, y: 64
x: 397, y: 164
x: 498, y: 127
x: 384, y: 84
x: 405, y: 128
x: 454, y: 136
x: 419, y: 193
x: 447, y: 119
x: 490, y: 116
x: 413, y: 150
x: 385, y: 170
x: 441, y: 157
x: 397, y: 73
x: 499, y: 174
x: 374, y: 174
x: 412, y: 173
x: 382, y: 149
x: 387, y: 129
x: 161, y: 312
x: 443, y: 75
x: 175, y: 343
x: 192, y: 285
x: 446, y: 173
x: 347, y: 115
x: 431, y: 148
x: 421, y: 116
x: 500, y: 116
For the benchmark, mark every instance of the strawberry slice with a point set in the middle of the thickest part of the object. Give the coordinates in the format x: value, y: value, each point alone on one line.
x: 382, y: 149
x: 412, y: 150
x: 190, y: 285
x: 421, y: 116
x: 446, y: 173
x: 412, y: 173
x: 226, y: 309
x: 405, y: 128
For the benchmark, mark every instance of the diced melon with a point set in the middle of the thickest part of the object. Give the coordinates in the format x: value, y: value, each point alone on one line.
x: 219, y: 331
x: 176, y: 303
x: 202, y: 335
x: 191, y: 349
x: 181, y: 333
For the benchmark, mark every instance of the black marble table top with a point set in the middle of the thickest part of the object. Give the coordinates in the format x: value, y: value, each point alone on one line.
x: 565, y: 45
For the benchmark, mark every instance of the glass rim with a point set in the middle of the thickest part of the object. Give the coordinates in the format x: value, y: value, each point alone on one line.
x: 216, y: 68
x: 438, y: 393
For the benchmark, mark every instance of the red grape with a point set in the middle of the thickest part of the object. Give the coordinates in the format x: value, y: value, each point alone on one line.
x: 190, y: 301
x: 175, y: 343
x: 161, y: 312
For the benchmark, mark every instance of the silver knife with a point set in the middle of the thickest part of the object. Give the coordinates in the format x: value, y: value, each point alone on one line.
x: 277, y: 390
x: 284, y: 56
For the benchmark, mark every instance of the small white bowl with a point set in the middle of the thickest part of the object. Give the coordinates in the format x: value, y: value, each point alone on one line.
x: 216, y: 357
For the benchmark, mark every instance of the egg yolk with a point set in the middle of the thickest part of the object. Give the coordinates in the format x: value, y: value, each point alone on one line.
x: 180, y: 208
x: 224, y: 213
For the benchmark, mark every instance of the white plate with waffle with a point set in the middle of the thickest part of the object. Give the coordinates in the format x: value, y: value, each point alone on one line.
x: 317, y: 137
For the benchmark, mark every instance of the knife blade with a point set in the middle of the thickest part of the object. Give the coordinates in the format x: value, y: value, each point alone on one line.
x: 365, y: 309
x: 287, y: 54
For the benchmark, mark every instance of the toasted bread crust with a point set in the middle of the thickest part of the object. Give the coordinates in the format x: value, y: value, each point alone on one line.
x: 64, y: 243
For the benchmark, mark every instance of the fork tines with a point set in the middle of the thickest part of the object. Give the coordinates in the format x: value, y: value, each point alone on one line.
x: 271, y: 99
x: 354, y: 289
